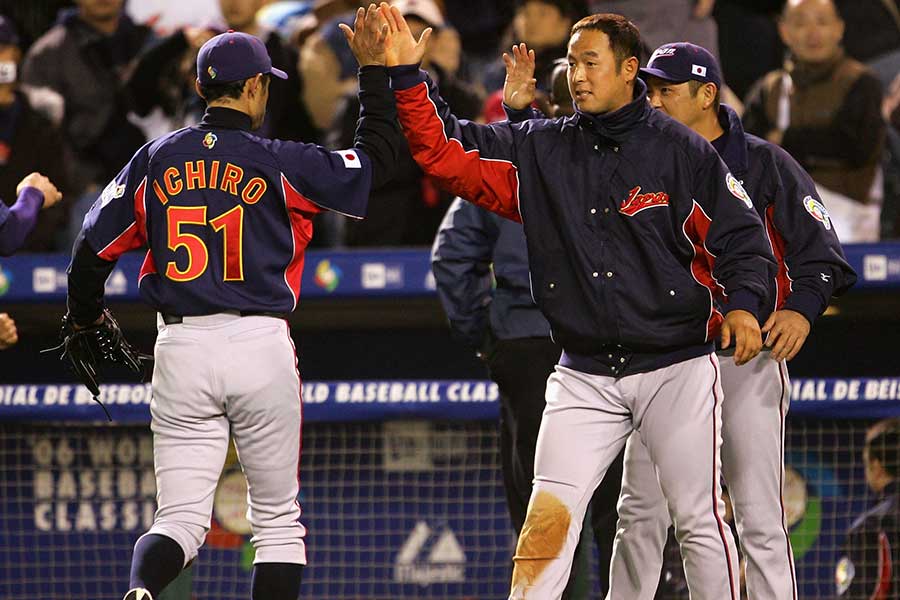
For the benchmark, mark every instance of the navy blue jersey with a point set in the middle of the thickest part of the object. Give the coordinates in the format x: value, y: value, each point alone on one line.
x: 226, y: 215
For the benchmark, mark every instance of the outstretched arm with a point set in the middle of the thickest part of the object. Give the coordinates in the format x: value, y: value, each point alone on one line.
x: 475, y: 162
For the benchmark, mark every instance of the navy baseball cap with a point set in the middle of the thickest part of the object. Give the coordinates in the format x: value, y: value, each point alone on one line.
x: 683, y: 61
x: 234, y: 56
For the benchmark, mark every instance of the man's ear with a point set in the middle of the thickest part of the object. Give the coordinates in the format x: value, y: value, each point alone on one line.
x: 197, y: 87
x: 709, y: 94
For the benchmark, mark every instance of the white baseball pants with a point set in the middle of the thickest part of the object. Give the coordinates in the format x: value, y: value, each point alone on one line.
x: 757, y: 396
x: 677, y: 412
x: 218, y: 375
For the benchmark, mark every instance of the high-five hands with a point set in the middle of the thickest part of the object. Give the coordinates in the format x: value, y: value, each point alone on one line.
x: 367, y: 38
x: 401, y: 48
x: 519, y: 87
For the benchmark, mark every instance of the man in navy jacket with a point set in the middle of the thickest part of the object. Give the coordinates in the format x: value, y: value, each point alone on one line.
x: 632, y: 224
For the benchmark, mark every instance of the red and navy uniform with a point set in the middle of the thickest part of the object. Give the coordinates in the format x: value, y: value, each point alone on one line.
x: 811, y: 263
x: 632, y: 222
x: 226, y: 214
x: 869, y: 568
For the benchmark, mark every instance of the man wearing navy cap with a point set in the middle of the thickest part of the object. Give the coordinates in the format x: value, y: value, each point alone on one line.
x: 683, y: 81
x: 227, y: 216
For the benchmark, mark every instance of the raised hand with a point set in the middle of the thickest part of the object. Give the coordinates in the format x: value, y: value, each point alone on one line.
x: 367, y: 38
x: 401, y: 48
x: 518, y: 89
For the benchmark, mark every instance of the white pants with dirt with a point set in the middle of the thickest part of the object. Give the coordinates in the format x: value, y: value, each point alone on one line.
x: 757, y: 396
x: 216, y: 376
x: 677, y: 412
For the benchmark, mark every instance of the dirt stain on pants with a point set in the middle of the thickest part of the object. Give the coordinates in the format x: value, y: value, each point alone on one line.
x: 542, y: 539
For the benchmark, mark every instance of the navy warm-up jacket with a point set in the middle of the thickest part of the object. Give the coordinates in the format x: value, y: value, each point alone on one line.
x: 811, y: 263
x: 632, y: 222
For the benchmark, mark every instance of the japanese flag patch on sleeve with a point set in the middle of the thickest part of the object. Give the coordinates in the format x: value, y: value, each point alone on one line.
x: 350, y: 158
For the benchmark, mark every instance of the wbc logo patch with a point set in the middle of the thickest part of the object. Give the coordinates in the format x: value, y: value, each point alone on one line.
x: 636, y: 201
x: 818, y: 211
x: 737, y: 190
x: 209, y: 140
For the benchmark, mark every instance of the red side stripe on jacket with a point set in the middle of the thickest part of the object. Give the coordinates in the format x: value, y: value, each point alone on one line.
x: 695, y: 228
x: 885, y: 568
x: 490, y: 183
x: 782, y: 280
x: 134, y: 235
x: 301, y: 230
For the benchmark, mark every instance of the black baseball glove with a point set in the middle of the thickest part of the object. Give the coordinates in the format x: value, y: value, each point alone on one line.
x: 86, y: 348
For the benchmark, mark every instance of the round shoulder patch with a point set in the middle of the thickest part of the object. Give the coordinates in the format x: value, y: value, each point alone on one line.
x: 844, y: 574
x: 737, y: 190
x: 818, y: 211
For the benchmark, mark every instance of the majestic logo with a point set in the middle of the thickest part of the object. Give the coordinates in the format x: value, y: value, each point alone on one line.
x: 212, y: 72
x: 429, y: 556
x: 737, y: 190
x: 209, y: 140
x: 636, y: 201
x: 818, y: 211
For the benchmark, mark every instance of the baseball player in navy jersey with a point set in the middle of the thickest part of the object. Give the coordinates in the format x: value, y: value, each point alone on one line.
x: 227, y: 216
x: 630, y: 222
x: 683, y: 81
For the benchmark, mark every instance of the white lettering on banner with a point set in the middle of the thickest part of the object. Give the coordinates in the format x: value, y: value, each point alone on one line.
x: 315, y: 393
x: 472, y: 392
x: 445, y: 561
x: 387, y: 392
x: 97, y: 483
x: 845, y: 390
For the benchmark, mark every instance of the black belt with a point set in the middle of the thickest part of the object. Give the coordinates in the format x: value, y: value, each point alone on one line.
x: 176, y: 319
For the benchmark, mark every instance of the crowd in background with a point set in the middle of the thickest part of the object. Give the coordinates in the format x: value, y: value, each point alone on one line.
x: 84, y: 83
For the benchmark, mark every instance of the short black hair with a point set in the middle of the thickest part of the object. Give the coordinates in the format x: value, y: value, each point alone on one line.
x: 229, y: 89
x: 624, y: 37
x: 694, y: 87
x: 884, y: 446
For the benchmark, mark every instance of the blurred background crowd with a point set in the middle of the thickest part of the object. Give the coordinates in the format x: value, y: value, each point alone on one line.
x: 84, y: 83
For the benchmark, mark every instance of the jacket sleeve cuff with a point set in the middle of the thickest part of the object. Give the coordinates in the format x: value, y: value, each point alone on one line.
x: 806, y: 303
x: 404, y: 77
x: 518, y: 115
x: 743, y: 299
x: 374, y: 77
x: 32, y: 198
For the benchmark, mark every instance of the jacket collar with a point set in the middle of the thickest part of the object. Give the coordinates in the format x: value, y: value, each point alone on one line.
x: 735, y: 152
x: 618, y: 124
x: 219, y: 117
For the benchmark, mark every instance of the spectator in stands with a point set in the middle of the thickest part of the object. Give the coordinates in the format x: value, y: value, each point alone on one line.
x: 408, y: 212
x: 825, y: 109
x: 472, y: 249
x: 85, y: 58
x: 165, y: 73
x: 741, y: 20
x: 665, y: 21
x: 326, y: 60
x: 872, y: 35
x: 543, y: 25
x: 30, y: 139
x: 34, y: 192
x: 870, y: 564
